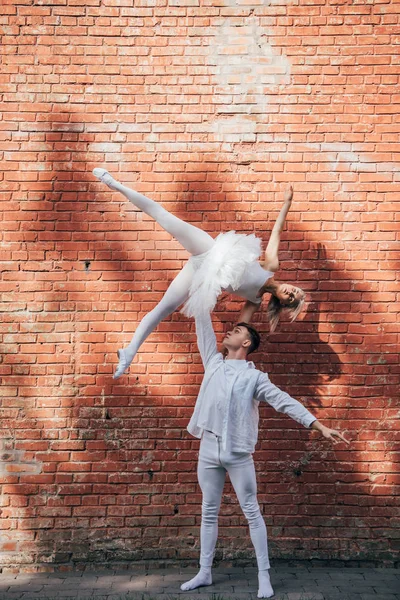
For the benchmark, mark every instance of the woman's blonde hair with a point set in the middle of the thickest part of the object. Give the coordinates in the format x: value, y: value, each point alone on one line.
x: 275, y: 308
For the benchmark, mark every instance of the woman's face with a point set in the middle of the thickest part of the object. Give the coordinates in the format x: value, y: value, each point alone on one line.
x: 288, y: 294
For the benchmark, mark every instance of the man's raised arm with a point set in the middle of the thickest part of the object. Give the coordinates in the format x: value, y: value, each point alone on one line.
x: 206, y: 340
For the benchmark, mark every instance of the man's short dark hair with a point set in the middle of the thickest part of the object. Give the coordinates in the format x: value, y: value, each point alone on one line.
x: 254, y: 337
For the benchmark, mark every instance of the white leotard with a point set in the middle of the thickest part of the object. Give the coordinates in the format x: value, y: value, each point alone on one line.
x: 253, y: 279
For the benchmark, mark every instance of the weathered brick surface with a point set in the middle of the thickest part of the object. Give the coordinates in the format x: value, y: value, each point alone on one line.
x: 212, y: 108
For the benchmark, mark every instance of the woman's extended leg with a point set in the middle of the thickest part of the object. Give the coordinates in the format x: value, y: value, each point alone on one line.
x: 193, y: 239
x: 175, y: 295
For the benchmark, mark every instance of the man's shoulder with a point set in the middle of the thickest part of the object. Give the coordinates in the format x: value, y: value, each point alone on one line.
x: 251, y: 372
x: 252, y: 366
x: 258, y: 373
x: 215, y: 359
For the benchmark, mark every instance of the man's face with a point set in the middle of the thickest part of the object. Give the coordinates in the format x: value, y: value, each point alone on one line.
x: 236, y: 338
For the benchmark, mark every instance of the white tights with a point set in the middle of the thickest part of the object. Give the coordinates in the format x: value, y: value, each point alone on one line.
x: 194, y: 240
x: 213, y: 465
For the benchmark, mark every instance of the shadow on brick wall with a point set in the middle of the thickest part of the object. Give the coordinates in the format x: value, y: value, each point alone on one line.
x: 116, y: 464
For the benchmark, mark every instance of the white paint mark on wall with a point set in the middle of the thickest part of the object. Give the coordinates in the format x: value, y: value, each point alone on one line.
x: 355, y: 162
x: 13, y: 462
x: 246, y: 68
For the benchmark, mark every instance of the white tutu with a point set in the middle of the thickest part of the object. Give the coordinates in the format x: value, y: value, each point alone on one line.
x: 217, y: 269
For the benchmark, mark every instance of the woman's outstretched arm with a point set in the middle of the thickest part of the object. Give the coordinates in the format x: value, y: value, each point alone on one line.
x: 247, y: 312
x: 271, y: 261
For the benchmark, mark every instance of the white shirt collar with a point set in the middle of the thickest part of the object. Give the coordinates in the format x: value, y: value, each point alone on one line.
x: 240, y: 362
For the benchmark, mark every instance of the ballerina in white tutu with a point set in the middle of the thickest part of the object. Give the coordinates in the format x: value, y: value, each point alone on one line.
x: 229, y: 262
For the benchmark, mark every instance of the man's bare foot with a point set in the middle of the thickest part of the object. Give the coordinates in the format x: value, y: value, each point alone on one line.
x: 264, y: 585
x: 202, y: 578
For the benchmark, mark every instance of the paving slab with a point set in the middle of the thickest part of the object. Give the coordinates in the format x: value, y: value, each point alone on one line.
x: 230, y: 583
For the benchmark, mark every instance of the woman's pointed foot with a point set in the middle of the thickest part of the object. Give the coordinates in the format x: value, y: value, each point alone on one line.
x: 123, y: 364
x: 105, y: 177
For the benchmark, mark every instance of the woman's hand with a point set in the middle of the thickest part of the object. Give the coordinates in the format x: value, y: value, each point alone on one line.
x: 330, y: 434
x: 247, y: 312
x: 288, y: 195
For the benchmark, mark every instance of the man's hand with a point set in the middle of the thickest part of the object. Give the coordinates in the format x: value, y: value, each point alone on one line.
x: 330, y: 434
x: 288, y: 195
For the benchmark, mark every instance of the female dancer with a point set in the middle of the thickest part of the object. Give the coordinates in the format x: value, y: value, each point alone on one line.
x: 230, y: 262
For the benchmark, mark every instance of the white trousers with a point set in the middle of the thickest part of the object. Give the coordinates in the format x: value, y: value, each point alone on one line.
x: 213, y: 465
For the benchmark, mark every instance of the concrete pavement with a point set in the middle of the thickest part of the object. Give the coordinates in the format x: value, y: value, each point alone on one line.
x: 143, y: 583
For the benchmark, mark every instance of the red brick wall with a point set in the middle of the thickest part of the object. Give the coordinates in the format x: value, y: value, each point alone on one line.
x: 212, y: 108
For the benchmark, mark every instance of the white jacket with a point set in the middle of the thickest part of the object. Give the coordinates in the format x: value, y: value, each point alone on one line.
x: 230, y: 394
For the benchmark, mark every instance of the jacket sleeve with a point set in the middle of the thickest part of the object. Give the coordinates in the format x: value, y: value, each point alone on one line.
x: 281, y: 401
x: 206, y: 340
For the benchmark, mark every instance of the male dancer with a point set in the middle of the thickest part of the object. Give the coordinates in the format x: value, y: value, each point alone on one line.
x: 226, y: 419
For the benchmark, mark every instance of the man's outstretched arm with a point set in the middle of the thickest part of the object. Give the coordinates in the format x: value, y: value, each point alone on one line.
x: 282, y: 402
x: 330, y: 434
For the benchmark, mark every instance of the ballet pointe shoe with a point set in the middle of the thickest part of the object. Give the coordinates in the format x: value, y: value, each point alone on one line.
x: 105, y: 177
x: 123, y: 364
